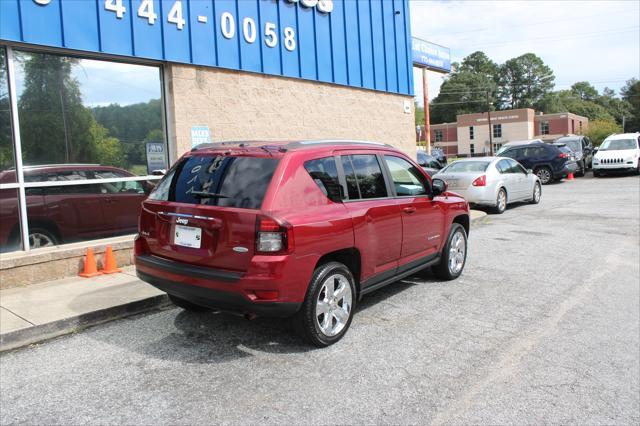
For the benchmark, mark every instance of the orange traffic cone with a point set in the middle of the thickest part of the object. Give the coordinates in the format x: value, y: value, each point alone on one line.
x: 570, y: 176
x: 110, y: 265
x: 90, y: 267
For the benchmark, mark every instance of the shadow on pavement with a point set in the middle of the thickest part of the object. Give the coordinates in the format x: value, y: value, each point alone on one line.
x: 217, y: 337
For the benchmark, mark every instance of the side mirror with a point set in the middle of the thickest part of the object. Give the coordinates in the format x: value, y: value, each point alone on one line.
x: 438, y: 187
x: 595, y: 149
x: 529, y: 171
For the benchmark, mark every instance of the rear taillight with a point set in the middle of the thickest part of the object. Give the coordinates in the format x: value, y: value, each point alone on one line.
x: 273, y: 237
x: 564, y: 155
x: 481, y: 181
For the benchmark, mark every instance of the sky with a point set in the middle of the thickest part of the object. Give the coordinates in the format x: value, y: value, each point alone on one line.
x: 595, y: 41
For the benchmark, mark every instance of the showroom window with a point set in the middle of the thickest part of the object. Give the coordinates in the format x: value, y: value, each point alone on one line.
x: 82, y: 142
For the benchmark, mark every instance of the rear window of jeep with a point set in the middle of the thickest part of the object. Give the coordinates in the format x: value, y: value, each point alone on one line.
x: 218, y: 180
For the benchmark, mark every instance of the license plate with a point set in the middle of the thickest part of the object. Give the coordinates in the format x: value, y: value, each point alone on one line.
x: 187, y: 236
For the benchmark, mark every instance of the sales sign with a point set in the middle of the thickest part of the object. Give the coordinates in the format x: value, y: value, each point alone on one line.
x: 155, y: 157
x: 199, y: 135
x: 431, y: 56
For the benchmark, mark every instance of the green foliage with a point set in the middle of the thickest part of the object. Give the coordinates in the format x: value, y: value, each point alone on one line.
x: 463, y: 93
x: 54, y: 125
x: 631, y: 94
x: 585, y: 91
x: 600, y: 129
x: 479, y: 63
x: 108, y: 149
x: 523, y: 81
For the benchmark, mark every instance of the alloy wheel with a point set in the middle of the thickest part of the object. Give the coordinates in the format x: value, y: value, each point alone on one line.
x: 39, y: 240
x: 457, y: 251
x: 502, y: 201
x: 333, y: 306
x: 537, y: 192
x: 544, y: 174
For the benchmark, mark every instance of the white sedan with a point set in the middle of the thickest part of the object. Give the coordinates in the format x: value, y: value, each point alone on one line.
x: 491, y: 181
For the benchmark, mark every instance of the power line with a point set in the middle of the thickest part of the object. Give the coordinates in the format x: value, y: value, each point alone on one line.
x: 555, y: 38
x: 531, y: 24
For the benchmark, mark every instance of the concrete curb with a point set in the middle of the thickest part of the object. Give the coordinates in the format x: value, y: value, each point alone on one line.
x: 40, y: 333
x: 478, y: 217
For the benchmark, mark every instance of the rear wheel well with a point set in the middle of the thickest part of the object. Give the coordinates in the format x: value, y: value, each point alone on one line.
x: 463, y: 220
x: 350, y: 257
x: 35, y: 223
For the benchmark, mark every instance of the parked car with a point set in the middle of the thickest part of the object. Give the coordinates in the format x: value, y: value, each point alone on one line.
x: 296, y: 229
x: 548, y: 162
x: 61, y: 214
x: 429, y: 163
x: 492, y: 181
x: 582, y: 150
x: 438, y: 153
x: 618, y: 153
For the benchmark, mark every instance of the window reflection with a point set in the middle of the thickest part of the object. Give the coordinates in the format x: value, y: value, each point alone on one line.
x: 7, y: 172
x: 82, y: 111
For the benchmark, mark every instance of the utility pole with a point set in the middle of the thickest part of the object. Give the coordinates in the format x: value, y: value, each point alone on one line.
x: 490, y: 128
x: 623, y: 123
x: 427, y: 124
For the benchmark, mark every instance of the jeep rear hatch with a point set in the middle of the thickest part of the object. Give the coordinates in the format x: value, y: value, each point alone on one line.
x: 204, y: 211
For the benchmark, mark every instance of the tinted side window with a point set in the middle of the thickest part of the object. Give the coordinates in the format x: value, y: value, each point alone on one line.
x: 324, y: 173
x: 368, y: 174
x: 407, y: 179
x: 514, y: 167
x: 503, y: 166
x: 350, y: 177
x: 512, y: 153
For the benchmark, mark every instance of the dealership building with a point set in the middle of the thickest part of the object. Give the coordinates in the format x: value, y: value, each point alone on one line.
x: 98, y: 96
x: 469, y: 135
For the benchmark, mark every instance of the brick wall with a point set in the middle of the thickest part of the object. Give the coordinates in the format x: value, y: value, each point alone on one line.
x: 237, y: 105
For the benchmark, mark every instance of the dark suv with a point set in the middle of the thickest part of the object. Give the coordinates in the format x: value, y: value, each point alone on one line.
x: 581, y: 148
x: 548, y: 162
x: 296, y: 229
x: 62, y: 214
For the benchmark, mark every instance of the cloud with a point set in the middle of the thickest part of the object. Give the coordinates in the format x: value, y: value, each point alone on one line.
x: 596, y: 41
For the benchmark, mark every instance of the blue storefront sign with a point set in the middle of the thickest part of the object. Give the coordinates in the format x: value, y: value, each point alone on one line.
x: 360, y: 43
x: 429, y: 55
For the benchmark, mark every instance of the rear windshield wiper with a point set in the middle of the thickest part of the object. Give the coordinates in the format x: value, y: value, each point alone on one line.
x: 202, y: 194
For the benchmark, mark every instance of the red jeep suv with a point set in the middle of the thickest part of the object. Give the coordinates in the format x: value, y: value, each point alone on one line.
x: 296, y: 229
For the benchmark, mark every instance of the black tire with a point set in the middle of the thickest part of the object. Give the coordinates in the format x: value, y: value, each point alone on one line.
x: 307, y: 319
x: 535, y: 197
x: 443, y: 269
x: 42, y: 237
x: 545, y: 174
x: 501, y: 204
x: 186, y: 305
x: 583, y: 169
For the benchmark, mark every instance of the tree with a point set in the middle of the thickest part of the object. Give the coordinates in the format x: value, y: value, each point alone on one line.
x: 54, y: 125
x: 599, y: 129
x: 631, y: 93
x: 584, y: 91
x: 523, y: 81
x: 479, y: 63
x: 6, y: 140
x: 569, y: 101
x: 463, y: 93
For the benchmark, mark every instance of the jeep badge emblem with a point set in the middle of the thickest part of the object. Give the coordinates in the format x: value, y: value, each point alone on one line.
x: 182, y: 221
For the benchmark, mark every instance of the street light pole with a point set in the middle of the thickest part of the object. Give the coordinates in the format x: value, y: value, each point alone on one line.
x: 490, y: 128
x: 427, y: 124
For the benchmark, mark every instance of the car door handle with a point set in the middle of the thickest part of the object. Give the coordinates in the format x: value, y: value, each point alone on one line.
x: 409, y: 210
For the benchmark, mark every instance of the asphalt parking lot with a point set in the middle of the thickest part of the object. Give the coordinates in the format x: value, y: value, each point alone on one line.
x: 542, y: 327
